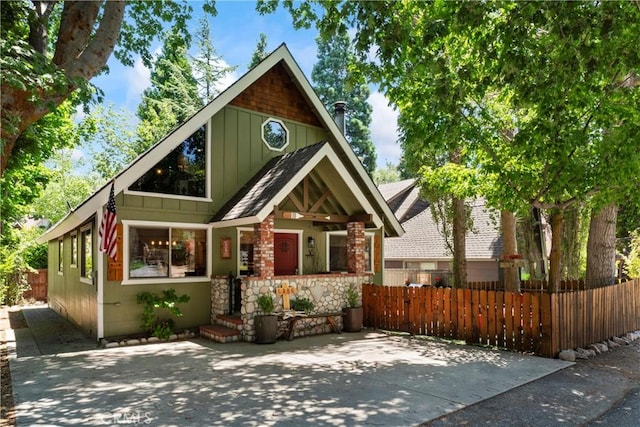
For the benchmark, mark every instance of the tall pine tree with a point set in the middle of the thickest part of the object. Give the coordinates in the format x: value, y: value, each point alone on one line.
x: 333, y: 82
x: 173, y: 96
x: 261, y: 51
x: 208, y: 66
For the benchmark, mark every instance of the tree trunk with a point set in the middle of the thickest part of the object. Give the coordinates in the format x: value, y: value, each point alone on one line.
x: 601, y: 247
x: 571, y: 243
x: 459, y: 243
x: 557, y: 221
x: 509, y: 247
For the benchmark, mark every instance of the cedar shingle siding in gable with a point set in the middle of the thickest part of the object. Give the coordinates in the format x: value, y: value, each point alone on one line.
x: 276, y: 94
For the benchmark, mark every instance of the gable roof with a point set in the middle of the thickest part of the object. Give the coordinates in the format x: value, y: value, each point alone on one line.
x: 279, y: 57
x: 423, y: 240
x: 276, y: 180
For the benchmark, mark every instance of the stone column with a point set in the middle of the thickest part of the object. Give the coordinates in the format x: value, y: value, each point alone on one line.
x: 355, y: 247
x: 263, y: 248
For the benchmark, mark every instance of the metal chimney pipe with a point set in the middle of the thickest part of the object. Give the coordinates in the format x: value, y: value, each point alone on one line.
x: 338, y: 114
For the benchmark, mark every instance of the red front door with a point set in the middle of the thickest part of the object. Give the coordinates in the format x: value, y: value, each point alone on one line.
x: 285, y: 253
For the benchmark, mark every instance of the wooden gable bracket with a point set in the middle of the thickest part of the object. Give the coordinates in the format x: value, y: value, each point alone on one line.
x: 311, y: 214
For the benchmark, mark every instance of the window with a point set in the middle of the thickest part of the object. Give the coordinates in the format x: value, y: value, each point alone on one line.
x: 160, y: 251
x: 337, y: 247
x: 183, y: 172
x: 86, y: 255
x: 74, y: 250
x: 245, y: 255
x: 60, y: 255
x: 275, y: 135
x: 416, y: 265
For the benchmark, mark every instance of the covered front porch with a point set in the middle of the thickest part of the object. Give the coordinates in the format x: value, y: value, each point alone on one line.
x: 300, y: 223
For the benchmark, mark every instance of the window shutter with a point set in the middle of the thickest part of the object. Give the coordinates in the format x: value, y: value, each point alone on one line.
x: 114, y: 268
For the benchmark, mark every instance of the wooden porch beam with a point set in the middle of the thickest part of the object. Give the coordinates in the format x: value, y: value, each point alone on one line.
x: 311, y: 216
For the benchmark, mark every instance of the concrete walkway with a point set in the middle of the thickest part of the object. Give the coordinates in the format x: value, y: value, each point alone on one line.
x: 365, y: 378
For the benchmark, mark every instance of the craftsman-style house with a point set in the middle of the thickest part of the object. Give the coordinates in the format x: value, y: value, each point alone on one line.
x: 259, y: 187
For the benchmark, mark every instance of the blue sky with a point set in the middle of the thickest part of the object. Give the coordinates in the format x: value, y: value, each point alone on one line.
x: 235, y: 32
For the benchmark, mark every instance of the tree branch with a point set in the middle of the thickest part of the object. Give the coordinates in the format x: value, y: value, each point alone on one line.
x: 97, y: 53
x: 76, y: 25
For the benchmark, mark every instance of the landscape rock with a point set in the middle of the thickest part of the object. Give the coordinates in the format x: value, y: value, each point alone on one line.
x: 583, y: 353
x: 111, y: 344
x: 595, y: 348
x: 153, y: 339
x: 568, y: 355
x: 612, y: 344
x: 133, y: 342
x: 621, y: 341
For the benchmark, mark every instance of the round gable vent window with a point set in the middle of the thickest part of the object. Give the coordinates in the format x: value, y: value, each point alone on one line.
x: 275, y: 134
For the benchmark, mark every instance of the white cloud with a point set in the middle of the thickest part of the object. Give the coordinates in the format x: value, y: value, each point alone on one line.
x: 384, y: 130
x: 77, y: 154
x: 136, y: 80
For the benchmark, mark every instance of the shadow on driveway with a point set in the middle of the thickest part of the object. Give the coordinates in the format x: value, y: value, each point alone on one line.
x: 349, y: 379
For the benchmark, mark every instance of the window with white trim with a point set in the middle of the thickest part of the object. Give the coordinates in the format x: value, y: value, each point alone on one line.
x: 74, y: 250
x: 275, y: 134
x: 183, y: 172
x: 166, y: 251
x: 245, y: 251
x: 60, y: 256
x: 337, y: 251
x: 86, y: 255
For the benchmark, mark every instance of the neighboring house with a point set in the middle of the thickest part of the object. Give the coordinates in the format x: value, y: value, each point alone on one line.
x: 421, y: 254
x: 260, y: 185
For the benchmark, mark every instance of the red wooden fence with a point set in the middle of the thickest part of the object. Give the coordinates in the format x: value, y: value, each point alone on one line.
x: 536, y: 322
x: 38, y: 282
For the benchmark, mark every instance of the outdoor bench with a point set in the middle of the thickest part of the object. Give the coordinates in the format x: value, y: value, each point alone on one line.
x: 293, y: 318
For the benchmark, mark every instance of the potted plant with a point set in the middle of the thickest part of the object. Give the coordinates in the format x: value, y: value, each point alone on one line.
x: 266, y: 323
x: 352, y: 313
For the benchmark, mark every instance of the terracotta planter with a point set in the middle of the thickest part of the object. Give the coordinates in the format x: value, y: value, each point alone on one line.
x: 266, y: 329
x: 352, y: 319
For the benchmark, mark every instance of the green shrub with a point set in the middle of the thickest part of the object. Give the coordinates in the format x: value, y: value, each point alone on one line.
x: 161, y: 328
x: 266, y: 304
x: 352, y: 296
x: 302, y: 304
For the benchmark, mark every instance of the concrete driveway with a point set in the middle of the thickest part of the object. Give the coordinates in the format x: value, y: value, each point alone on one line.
x: 366, y: 378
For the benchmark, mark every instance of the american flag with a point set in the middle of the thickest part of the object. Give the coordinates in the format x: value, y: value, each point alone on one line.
x: 108, y: 234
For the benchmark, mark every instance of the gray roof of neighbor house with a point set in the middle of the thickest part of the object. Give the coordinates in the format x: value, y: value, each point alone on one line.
x: 422, y: 240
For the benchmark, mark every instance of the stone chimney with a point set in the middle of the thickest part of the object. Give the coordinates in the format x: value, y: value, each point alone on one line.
x: 338, y: 114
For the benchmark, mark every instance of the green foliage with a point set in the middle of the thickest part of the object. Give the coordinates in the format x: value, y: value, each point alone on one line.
x: 261, y: 51
x: 302, y: 304
x: 109, y: 137
x: 389, y: 173
x: 266, y: 304
x: 335, y: 80
x: 540, y: 100
x: 352, y: 296
x: 66, y: 189
x: 633, y: 260
x: 17, y: 257
x: 157, y: 327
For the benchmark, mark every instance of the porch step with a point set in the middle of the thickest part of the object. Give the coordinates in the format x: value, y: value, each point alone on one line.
x: 219, y: 333
x: 230, y: 321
